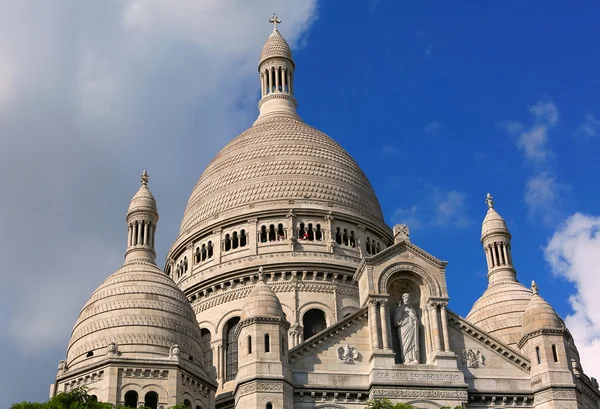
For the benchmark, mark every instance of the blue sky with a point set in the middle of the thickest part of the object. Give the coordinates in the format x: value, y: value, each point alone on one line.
x: 439, y: 103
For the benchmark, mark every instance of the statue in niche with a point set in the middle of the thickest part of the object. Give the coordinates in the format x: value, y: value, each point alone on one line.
x: 407, y: 324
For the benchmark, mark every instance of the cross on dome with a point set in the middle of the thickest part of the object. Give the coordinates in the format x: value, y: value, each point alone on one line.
x: 145, y: 178
x: 275, y: 21
x: 489, y: 200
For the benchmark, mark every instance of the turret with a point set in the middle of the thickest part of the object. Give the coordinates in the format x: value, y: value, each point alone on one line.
x: 495, y: 238
x: 263, y: 351
x: 142, y: 217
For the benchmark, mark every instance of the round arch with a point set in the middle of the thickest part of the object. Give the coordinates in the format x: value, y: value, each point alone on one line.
x: 153, y: 387
x: 433, y: 289
x: 316, y: 305
x: 236, y: 312
x: 209, y: 326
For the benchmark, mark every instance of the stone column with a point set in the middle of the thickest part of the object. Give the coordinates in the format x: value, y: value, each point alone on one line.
x: 335, y: 301
x: 146, y: 232
x: 130, y: 234
x: 288, y: 81
x: 292, y: 83
x: 385, y: 323
x: 505, y: 251
x: 445, y: 327
x: 374, y: 325
x: 152, y: 233
x: 494, y: 258
x: 271, y: 75
x: 139, y: 233
x: 217, y: 245
x: 283, y: 78
x: 262, y: 85
x: 291, y: 228
x: 277, y: 79
x: 428, y: 330
x: 361, y: 240
x: 436, y: 327
x: 252, y: 239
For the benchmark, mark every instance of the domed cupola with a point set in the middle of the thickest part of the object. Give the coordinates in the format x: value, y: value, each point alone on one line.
x: 539, y: 314
x: 142, y: 217
x: 499, y: 311
x: 262, y: 302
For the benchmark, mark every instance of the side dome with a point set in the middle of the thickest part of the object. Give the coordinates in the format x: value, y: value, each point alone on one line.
x: 539, y: 314
x: 499, y: 311
x: 279, y: 161
x: 262, y: 302
x: 142, y: 311
x: 143, y: 200
x: 493, y: 223
x: 276, y: 47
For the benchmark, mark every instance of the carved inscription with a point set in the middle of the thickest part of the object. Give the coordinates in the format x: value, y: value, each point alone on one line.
x: 416, y: 376
x: 412, y: 393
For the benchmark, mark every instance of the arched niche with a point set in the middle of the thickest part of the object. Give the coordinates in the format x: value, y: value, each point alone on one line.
x: 397, y: 283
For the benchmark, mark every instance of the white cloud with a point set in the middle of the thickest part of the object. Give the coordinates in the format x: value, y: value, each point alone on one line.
x: 407, y: 216
x: 91, y: 94
x: 388, y: 150
x: 533, y: 140
x: 432, y: 127
x: 589, y: 128
x: 573, y: 252
x: 543, y: 197
x: 545, y: 112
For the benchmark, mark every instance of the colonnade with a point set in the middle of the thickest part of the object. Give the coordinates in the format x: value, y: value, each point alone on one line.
x: 141, y: 233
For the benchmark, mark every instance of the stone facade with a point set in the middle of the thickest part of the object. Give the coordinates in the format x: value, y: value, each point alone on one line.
x: 286, y: 289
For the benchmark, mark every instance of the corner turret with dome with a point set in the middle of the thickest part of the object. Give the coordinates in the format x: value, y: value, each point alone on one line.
x: 285, y: 288
x: 137, y: 325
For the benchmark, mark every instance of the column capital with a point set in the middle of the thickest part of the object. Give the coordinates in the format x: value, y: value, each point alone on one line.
x: 252, y: 221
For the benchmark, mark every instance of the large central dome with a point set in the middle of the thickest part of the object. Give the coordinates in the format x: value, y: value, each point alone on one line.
x: 280, y: 159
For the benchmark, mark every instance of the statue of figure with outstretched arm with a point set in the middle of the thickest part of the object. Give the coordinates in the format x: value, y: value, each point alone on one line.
x: 407, y: 324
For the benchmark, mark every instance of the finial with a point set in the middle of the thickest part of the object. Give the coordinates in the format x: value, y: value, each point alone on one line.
x: 534, y: 288
x: 261, y: 276
x: 489, y: 201
x: 145, y: 178
x: 275, y: 21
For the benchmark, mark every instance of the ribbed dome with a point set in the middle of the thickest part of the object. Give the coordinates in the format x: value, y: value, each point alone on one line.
x: 140, y: 309
x: 275, y: 47
x: 143, y: 201
x: 493, y: 223
x: 262, y: 302
x: 499, y: 311
x: 539, y: 314
x: 277, y: 162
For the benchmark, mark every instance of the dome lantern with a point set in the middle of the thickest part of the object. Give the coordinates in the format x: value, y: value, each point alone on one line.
x: 142, y: 218
x: 495, y: 238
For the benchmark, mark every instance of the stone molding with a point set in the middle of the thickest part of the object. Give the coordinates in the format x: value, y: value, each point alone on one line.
x: 163, y: 305
x: 433, y: 285
x: 554, y: 394
x: 476, y: 399
x: 488, y: 341
x: 144, y: 373
x: 84, y: 380
x: 261, y: 320
x: 541, y: 331
x: 354, y: 396
x: 259, y: 386
x: 418, y: 393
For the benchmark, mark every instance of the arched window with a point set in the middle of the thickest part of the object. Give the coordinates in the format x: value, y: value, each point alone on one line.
x: 338, y: 236
x: 249, y: 344
x: 197, y: 254
x: 203, y: 252
x: 352, y: 239
x: 187, y: 404
x: 94, y: 398
x: 302, y: 232
x: 319, y: 233
x: 243, y: 238
x: 235, y: 242
x: 272, y: 232
x: 227, y: 243
x: 554, y: 353
x: 263, y: 234
x: 131, y: 399
x: 231, y: 349
x: 311, y: 232
x: 209, y: 249
x: 198, y: 407
x: 378, y: 248
x: 205, y: 338
x: 185, y: 264
x: 280, y: 232
x: 313, y: 322
x: 267, y: 343
x: 345, y: 237
x: 269, y: 406
x: 538, y: 355
x: 368, y: 245
x: 151, y: 400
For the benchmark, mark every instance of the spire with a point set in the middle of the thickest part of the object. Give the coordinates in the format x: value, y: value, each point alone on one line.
x: 142, y: 217
x: 276, y: 70
x: 495, y: 238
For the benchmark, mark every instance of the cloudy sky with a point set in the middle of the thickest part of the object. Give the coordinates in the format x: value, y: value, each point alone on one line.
x: 438, y: 105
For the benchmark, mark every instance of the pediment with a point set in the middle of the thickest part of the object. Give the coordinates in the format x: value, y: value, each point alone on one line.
x: 403, y: 251
x: 490, y: 343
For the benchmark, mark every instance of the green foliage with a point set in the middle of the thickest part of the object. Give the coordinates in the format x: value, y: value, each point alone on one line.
x: 76, y: 399
x: 386, y: 404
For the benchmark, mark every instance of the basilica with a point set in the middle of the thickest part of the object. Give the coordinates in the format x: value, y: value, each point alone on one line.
x: 286, y: 289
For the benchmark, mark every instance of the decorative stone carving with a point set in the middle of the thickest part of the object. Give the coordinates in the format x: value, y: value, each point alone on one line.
x: 174, y: 351
x: 62, y: 366
x: 348, y: 354
x: 473, y: 358
x: 112, y: 348
x: 401, y: 232
x: 407, y: 323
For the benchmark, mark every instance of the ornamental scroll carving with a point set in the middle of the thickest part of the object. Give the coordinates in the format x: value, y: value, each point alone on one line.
x: 548, y: 395
x: 260, y: 387
x: 426, y: 394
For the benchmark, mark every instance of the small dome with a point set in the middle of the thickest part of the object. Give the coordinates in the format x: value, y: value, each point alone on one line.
x: 275, y: 47
x: 143, y: 200
x: 499, y: 311
x: 143, y: 312
x: 262, y: 302
x: 493, y: 223
x: 539, y: 314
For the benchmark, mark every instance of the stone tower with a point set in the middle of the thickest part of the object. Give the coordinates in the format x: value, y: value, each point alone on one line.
x: 264, y: 377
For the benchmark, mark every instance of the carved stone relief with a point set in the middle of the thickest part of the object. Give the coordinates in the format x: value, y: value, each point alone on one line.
x: 348, y: 354
x: 473, y: 358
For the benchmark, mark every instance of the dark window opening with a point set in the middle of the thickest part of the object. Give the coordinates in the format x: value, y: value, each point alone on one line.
x: 263, y: 234
x: 187, y: 404
x: 272, y: 232
x: 378, y: 248
x: 227, y: 242
x: 269, y: 406
x: 151, y: 400
x: 185, y: 264
x: 280, y: 233
x: 313, y: 322
x: 345, y: 237
x: 89, y: 354
x: 267, y: 343
x: 231, y: 349
x: 205, y: 339
x: 554, y: 353
x: 368, y: 245
x: 249, y: 344
x: 235, y: 241
x: 197, y: 254
x: 210, y: 249
x: 352, y: 239
x: 242, y: 238
x: 338, y: 236
x: 94, y: 398
x: 538, y: 355
x: 131, y: 399
x: 203, y: 252
x: 302, y: 235
x: 319, y: 233
x: 311, y: 232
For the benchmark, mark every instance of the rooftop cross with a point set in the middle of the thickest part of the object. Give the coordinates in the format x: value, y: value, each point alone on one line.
x: 489, y: 201
x: 275, y: 21
x: 145, y: 178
